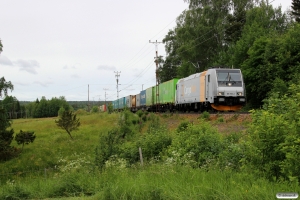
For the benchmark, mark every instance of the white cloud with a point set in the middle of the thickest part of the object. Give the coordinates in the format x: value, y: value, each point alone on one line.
x: 106, y: 67
x: 74, y: 76
x: 28, y: 65
x: 5, y: 61
x: 44, y: 84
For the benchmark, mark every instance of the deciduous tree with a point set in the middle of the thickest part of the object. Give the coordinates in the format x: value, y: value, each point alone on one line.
x: 6, y: 136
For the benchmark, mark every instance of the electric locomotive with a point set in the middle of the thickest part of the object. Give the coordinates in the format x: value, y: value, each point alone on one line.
x: 218, y: 88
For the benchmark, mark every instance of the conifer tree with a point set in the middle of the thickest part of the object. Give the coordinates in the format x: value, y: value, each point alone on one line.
x: 25, y: 137
x: 68, y: 122
x: 296, y: 10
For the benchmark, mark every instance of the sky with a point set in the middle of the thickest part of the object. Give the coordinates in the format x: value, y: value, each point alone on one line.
x: 75, y: 48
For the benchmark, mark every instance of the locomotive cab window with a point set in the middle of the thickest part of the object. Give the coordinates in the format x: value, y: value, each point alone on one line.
x: 208, y: 78
x: 229, y: 78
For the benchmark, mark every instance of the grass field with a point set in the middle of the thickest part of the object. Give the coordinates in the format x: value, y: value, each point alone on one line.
x: 57, y: 167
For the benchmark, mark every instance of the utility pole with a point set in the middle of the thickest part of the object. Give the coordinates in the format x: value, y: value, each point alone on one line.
x: 105, y: 96
x: 117, y: 77
x: 88, y: 98
x: 156, y: 75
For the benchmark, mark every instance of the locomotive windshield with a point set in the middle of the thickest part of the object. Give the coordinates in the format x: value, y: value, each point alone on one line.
x: 229, y: 78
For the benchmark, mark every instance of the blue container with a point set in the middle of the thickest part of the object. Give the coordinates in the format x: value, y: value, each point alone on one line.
x: 121, y: 103
x: 115, y: 104
x: 143, y: 98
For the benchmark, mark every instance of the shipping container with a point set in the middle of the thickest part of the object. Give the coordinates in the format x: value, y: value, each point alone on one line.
x: 150, y: 93
x: 102, y: 108
x: 130, y: 101
x: 121, y: 103
x: 115, y: 104
x: 167, y: 91
x: 143, y: 98
x: 133, y: 103
x: 138, y: 100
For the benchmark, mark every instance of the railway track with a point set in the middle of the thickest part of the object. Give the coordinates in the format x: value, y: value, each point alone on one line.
x: 227, y: 116
x: 210, y: 113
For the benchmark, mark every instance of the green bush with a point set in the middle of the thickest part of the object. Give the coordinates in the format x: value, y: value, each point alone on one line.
x: 200, y: 143
x: 220, y: 119
x: 274, y: 136
x: 234, y: 151
x: 108, y: 146
x: 183, y: 126
x: 205, y: 115
x: 154, y: 124
x: 154, y: 143
x: 95, y: 109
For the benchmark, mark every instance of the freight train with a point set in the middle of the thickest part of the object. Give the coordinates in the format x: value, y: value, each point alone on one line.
x: 220, y: 89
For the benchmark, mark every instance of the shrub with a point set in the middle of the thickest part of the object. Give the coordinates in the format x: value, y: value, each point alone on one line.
x: 154, y: 143
x: 25, y: 137
x: 108, y: 146
x: 272, y: 148
x: 234, y: 151
x: 183, y: 126
x: 220, y: 119
x: 205, y: 115
x: 95, y: 109
x: 81, y: 112
x: 201, y: 141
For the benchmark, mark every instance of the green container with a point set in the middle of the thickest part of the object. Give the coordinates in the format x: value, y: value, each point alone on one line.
x: 167, y: 91
x: 150, y: 96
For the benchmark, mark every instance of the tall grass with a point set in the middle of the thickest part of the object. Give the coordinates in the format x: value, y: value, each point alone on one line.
x: 54, y: 166
x: 151, y: 182
x: 53, y: 144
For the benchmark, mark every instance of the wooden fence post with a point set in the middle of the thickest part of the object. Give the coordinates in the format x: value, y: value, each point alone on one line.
x: 141, y: 156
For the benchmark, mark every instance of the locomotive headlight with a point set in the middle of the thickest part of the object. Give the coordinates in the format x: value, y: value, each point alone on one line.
x: 242, y: 99
x: 221, y: 99
x: 220, y: 93
x: 239, y: 93
x: 229, y: 84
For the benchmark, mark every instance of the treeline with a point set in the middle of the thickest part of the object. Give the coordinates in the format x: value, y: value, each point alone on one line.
x: 43, y: 108
x: 252, y: 35
x: 38, y: 109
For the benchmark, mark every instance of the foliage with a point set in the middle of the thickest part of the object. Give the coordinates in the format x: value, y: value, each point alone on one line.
x: 47, y: 108
x: 183, y: 126
x: 127, y: 123
x: 154, y: 123
x: 12, y: 107
x: 255, y: 37
x: 25, y: 137
x: 5, y: 86
x: 233, y: 153
x: 6, y: 150
x: 68, y: 122
x: 274, y: 135
x: 110, y: 108
x: 95, y: 109
x: 107, y: 147
x: 70, y: 170
x: 81, y: 112
x: 296, y: 10
x: 201, y: 143
x: 1, y: 46
x: 6, y: 136
x: 153, y: 144
x: 205, y: 115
